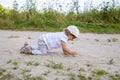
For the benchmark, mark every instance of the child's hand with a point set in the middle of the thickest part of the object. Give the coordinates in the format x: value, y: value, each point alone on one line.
x: 74, y: 54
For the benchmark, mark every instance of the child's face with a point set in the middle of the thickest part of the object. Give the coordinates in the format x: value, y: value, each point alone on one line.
x: 71, y: 37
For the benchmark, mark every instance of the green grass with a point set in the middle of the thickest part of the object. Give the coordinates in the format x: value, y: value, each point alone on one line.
x: 15, y: 68
x: 2, y: 71
x: 105, y: 20
x: 97, y: 40
x: 7, y: 76
x: 81, y: 69
x: 13, y: 36
x: 111, y: 61
x: 36, y: 78
x: 54, y: 65
x: 99, y: 72
x: 12, y: 61
x: 35, y: 63
x: 69, y: 69
x: 28, y: 63
x: 115, y: 76
x: 72, y: 74
x: 46, y: 73
x: 84, y: 28
x: 82, y: 77
x: 23, y: 71
x: 112, y: 40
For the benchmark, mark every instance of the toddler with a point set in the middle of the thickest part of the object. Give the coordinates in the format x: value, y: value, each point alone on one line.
x: 49, y: 41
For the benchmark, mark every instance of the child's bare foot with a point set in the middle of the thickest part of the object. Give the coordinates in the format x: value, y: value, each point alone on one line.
x: 74, y: 54
x: 26, y: 48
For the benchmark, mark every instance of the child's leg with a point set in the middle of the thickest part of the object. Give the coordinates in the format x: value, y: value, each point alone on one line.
x: 34, y: 47
x: 23, y: 48
x: 26, y: 49
x: 42, y: 48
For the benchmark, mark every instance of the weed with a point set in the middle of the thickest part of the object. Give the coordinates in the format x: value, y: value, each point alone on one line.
x: 24, y: 71
x: 69, y: 69
x: 9, y: 61
x: 7, y: 76
x: 46, y: 73
x: 54, y: 65
x: 15, y: 67
x: 112, y: 40
x: 57, y: 78
x: 109, y: 40
x: 36, y: 64
x: 36, y: 78
x: 82, y: 77
x: 98, y: 72
x: 29, y: 63
x: 81, y: 69
x: 71, y: 74
x: 72, y: 78
x: 12, y: 61
x: 27, y: 76
x: 115, y: 77
x: 2, y: 71
x: 97, y: 40
x: 29, y: 38
x: 111, y: 61
x: 13, y: 36
x: 57, y: 72
x: 88, y: 65
x: 15, y: 62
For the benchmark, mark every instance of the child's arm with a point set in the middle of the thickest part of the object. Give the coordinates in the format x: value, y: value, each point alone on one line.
x: 66, y: 50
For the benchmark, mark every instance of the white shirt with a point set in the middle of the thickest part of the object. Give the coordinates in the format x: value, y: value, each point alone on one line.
x: 53, y: 40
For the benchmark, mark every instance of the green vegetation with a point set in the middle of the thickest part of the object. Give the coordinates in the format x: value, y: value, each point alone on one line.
x: 46, y: 73
x: 15, y: 67
x: 7, y: 76
x: 81, y: 69
x: 115, y: 77
x: 2, y: 71
x: 82, y: 77
x: 97, y: 40
x: 112, y: 40
x: 79, y: 73
x: 71, y: 74
x: 111, y: 61
x: 12, y: 61
x: 57, y: 72
x: 36, y: 78
x: 54, y: 65
x: 35, y: 63
x: 69, y: 69
x: 99, y: 72
x: 106, y: 19
x: 25, y: 73
x: 13, y: 36
x: 29, y: 38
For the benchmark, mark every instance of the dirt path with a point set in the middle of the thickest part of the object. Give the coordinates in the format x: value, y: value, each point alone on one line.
x: 96, y: 52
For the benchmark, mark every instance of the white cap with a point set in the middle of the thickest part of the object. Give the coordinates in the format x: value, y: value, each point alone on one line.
x: 74, y: 30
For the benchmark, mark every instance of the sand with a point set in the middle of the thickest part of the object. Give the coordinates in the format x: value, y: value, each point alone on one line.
x: 95, y: 52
